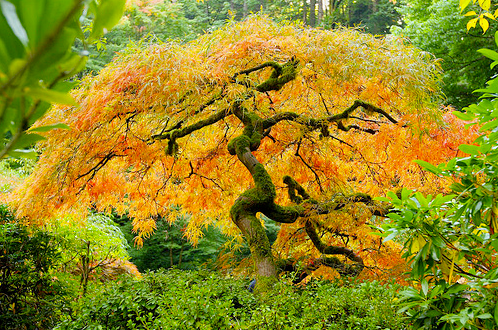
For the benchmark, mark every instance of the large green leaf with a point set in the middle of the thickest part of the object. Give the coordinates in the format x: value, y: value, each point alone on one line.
x: 10, y: 14
x: 50, y: 95
x: 23, y: 153
x: 47, y: 128
x: 28, y: 140
x: 491, y: 54
x: 489, y: 125
x: 108, y: 14
x: 31, y: 13
x: 428, y: 166
x: 464, y: 115
x: 53, y: 13
x: 72, y: 63
x: 469, y: 149
x: 14, y: 47
x: 4, y: 58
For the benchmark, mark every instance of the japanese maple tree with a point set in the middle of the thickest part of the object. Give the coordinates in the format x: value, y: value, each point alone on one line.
x: 301, y: 125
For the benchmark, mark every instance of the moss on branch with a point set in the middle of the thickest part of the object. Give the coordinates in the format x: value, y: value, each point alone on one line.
x: 283, y: 214
x: 281, y: 74
x: 177, y: 133
x: 239, y: 144
x: 280, y: 77
x: 322, y: 123
x: 293, y: 186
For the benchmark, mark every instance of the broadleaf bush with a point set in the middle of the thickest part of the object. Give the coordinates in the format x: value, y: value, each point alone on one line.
x: 31, y: 297
x: 177, y: 299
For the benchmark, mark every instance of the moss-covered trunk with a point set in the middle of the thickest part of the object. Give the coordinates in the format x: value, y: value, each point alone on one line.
x: 245, y: 208
x: 254, y: 200
x: 258, y: 242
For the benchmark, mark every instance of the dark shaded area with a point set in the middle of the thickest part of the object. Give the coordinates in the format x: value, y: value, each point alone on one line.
x: 168, y: 248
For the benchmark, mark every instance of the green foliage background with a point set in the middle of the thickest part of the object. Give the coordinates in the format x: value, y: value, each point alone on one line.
x: 436, y: 26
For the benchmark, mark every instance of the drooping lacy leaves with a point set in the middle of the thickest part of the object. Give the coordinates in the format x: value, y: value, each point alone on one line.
x: 152, y: 130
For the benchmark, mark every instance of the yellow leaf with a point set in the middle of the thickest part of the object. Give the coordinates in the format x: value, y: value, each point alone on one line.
x: 472, y: 23
x: 485, y: 4
x: 464, y: 4
x: 488, y: 15
x: 415, y: 247
x: 452, y: 266
x: 418, y: 244
x: 470, y: 13
x: 483, y: 23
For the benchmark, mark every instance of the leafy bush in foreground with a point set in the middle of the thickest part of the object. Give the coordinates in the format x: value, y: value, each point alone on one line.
x: 30, y: 297
x: 205, y: 300
x: 451, y: 240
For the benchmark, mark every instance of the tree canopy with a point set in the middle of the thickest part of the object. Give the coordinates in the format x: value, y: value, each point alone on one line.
x: 302, y: 125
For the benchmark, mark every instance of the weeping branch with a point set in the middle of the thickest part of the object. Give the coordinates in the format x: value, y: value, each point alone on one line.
x: 192, y: 172
x: 317, y: 177
x: 98, y: 166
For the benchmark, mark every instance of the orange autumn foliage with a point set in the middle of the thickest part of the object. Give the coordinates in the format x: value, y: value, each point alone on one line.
x: 109, y: 159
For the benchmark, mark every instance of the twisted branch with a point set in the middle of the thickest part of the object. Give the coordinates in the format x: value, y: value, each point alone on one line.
x: 322, y: 123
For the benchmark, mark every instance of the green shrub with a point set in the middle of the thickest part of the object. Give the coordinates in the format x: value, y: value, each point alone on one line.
x: 451, y: 240
x: 328, y: 305
x: 30, y: 297
x: 162, y: 300
x: 206, y: 300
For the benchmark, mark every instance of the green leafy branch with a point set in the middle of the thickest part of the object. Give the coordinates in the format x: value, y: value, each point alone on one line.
x: 36, y: 60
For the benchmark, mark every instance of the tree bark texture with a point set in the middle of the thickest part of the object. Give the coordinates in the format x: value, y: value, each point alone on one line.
x: 312, y: 20
x: 320, y: 11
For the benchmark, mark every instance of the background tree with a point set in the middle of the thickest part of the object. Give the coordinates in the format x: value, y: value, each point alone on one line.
x: 331, y: 113
x: 141, y: 24
x: 437, y: 27
x: 374, y: 17
x: 168, y: 247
